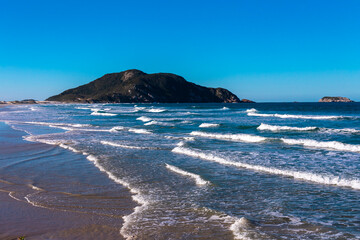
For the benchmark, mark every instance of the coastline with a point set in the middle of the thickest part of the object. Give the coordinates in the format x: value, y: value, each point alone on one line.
x: 87, y: 213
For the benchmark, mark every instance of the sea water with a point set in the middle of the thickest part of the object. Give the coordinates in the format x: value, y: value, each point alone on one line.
x: 213, y: 171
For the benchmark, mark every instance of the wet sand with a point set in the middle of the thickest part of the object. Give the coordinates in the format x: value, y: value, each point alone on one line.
x: 47, y: 192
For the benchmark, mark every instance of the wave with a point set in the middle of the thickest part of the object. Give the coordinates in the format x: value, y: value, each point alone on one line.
x: 156, y: 110
x: 311, y: 177
x: 254, y: 112
x: 139, y: 130
x: 209, y: 125
x: 158, y: 123
x: 97, y: 113
x: 121, y: 145
x: 275, y: 128
x: 144, y: 119
x: 225, y: 108
x: 137, y: 197
x: 251, y: 110
x: 323, y: 145
x: 232, y: 137
x: 117, y: 128
x: 197, y: 178
x: 341, y: 131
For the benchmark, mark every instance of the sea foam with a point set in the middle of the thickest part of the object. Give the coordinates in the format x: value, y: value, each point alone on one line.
x: 323, y: 145
x: 121, y: 145
x: 144, y: 119
x: 232, y: 137
x: 209, y: 125
x: 276, y: 128
x: 139, y: 130
x: 312, y: 177
x: 197, y: 178
x: 254, y: 112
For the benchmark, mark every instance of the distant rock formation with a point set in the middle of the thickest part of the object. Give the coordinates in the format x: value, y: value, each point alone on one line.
x: 335, y: 99
x: 246, y: 101
x: 135, y: 86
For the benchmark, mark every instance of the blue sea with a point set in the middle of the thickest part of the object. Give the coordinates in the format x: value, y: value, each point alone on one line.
x: 194, y: 171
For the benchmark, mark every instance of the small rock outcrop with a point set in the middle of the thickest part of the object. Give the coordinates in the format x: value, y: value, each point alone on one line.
x: 135, y: 86
x: 246, y: 101
x: 335, y: 99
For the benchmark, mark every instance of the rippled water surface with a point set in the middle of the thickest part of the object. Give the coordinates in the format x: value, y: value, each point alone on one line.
x: 213, y: 171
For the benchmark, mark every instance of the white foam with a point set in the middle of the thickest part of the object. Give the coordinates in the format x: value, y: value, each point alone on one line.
x: 276, y: 128
x: 156, y: 110
x: 323, y: 145
x: 225, y: 108
x: 158, y: 123
x: 231, y: 137
x: 96, y: 113
x: 83, y: 108
x: 209, y: 125
x: 341, y: 131
x: 197, y: 178
x: 121, y: 145
x: 139, y: 130
x: 116, y: 128
x: 137, y: 198
x: 312, y: 177
x: 254, y: 113
x: 252, y: 110
x: 144, y: 119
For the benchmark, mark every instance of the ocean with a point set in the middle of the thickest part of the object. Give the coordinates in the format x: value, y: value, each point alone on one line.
x: 191, y: 171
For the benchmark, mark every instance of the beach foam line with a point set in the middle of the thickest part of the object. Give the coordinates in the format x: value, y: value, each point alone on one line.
x: 254, y: 112
x: 144, y: 119
x: 139, y: 130
x: 231, y: 137
x: 199, y: 181
x: 276, y: 128
x: 137, y: 197
x: 323, y: 145
x: 209, y: 125
x: 306, y: 176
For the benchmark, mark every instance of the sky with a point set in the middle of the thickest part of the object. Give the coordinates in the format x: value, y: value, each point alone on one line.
x: 266, y: 51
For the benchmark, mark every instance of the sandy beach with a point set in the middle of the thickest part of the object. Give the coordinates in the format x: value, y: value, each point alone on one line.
x: 74, y: 204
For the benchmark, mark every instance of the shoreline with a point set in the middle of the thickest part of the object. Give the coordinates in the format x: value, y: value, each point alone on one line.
x: 53, y: 218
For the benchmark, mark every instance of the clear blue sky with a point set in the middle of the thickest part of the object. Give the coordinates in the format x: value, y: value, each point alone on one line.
x: 274, y: 50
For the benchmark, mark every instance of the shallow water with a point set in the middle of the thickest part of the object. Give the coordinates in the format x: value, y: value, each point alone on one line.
x: 200, y: 171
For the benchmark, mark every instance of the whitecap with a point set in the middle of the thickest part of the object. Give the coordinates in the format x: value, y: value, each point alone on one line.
x: 276, y: 128
x: 144, y: 119
x: 307, y: 176
x: 232, y: 137
x: 96, y: 113
x: 254, y: 113
x: 139, y: 130
x: 334, y: 145
x: 121, y: 145
x: 197, y: 178
x: 209, y: 125
x: 156, y: 110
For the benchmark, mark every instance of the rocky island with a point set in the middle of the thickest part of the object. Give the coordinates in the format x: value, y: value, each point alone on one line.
x: 135, y: 86
x: 335, y: 99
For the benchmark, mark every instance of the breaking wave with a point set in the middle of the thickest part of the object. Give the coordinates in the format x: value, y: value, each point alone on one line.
x: 323, y: 145
x: 232, y: 137
x: 197, y: 178
x: 209, y: 125
x: 316, y: 178
x: 144, y: 119
x: 139, y: 130
x: 275, y: 128
x: 97, y: 113
x: 121, y: 145
x: 254, y: 112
